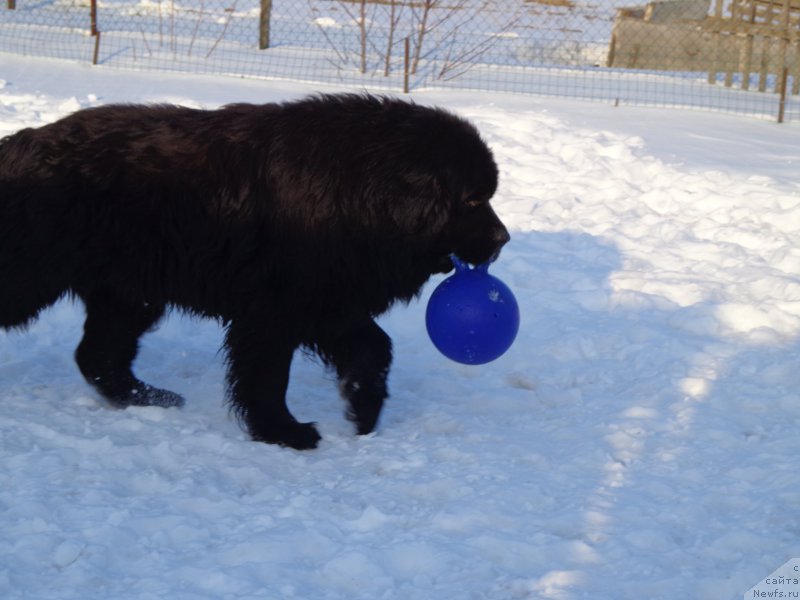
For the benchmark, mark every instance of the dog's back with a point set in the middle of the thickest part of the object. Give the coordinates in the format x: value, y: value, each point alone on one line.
x: 94, y: 197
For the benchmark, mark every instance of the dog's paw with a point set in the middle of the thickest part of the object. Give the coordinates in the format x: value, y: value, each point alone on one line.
x: 364, y: 417
x: 300, y: 436
x: 143, y: 394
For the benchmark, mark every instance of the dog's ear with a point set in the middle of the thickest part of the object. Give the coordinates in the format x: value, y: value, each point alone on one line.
x: 424, y: 204
x: 412, y: 202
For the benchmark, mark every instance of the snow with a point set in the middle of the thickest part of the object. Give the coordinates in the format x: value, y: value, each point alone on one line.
x: 639, y: 440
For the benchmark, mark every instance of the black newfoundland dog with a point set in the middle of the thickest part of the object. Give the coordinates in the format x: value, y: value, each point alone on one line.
x: 295, y: 224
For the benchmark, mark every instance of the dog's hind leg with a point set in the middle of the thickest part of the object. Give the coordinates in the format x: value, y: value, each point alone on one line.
x: 109, y: 346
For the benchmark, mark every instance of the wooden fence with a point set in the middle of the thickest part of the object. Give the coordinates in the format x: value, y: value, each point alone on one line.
x: 767, y: 35
x: 748, y: 43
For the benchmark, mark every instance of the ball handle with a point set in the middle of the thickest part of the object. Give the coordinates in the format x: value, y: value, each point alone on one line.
x: 463, y: 267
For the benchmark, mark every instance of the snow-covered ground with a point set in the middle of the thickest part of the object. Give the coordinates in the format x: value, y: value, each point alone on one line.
x: 639, y: 441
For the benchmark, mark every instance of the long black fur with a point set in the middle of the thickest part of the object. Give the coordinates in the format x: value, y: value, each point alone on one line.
x: 295, y: 224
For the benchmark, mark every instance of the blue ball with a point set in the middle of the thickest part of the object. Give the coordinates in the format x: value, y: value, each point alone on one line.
x: 472, y: 317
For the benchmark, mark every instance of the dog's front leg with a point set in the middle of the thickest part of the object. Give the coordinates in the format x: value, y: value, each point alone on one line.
x: 362, y: 356
x: 259, y: 358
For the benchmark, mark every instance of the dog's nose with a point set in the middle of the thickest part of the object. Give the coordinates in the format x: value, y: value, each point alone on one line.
x: 501, y: 237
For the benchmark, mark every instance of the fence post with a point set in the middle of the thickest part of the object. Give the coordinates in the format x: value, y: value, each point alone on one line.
x: 95, y: 33
x: 746, y: 51
x: 12, y: 4
x: 263, y: 24
x: 96, y: 52
x: 93, y: 17
x: 407, y: 52
x: 784, y: 34
x: 716, y: 29
x: 784, y: 76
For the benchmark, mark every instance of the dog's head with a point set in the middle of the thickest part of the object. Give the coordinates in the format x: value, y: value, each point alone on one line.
x: 467, y: 180
x: 430, y: 180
